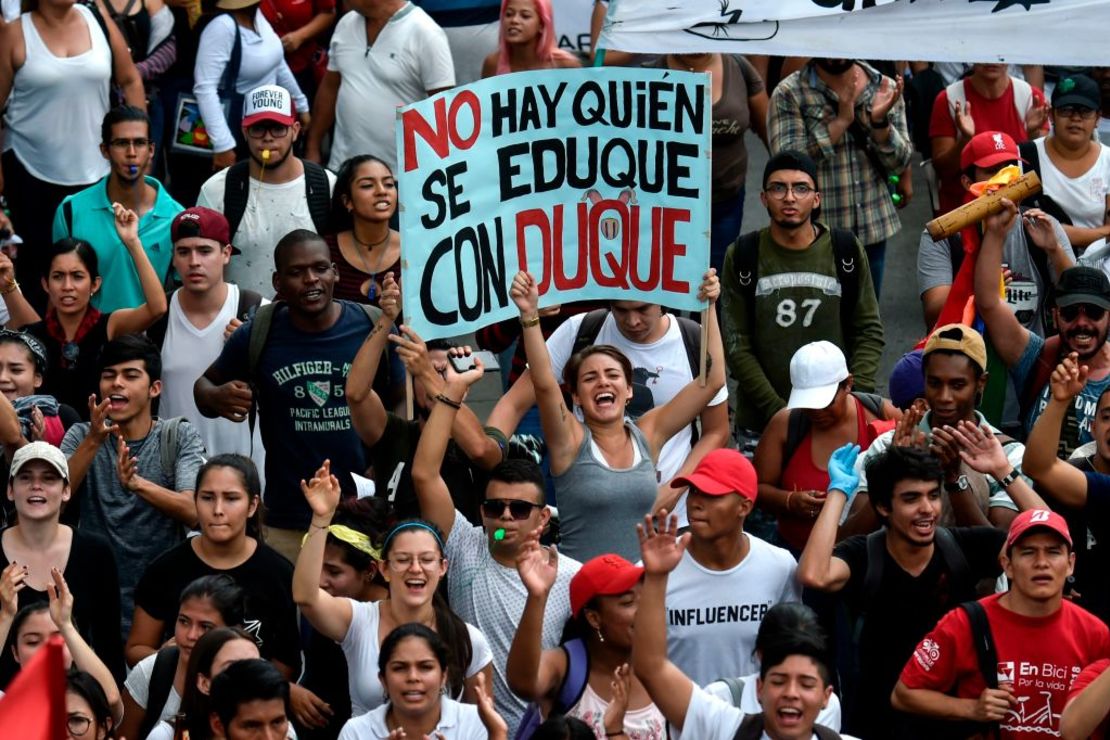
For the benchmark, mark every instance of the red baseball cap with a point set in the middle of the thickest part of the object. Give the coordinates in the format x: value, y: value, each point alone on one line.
x: 988, y: 149
x: 722, y: 472
x: 268, y: 103
x: 1037, y: 519
x: 203, y: 222
x: 605, y: 575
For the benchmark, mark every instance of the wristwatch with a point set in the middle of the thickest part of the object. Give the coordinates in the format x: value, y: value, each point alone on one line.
x: 1008, y: 480
x: 959, y: 485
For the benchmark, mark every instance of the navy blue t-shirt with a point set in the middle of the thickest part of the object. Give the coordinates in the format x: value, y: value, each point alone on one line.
x: 303, y: 412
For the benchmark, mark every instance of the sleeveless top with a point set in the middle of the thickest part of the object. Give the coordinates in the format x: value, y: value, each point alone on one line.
x: 801, y: 474
x: 56, y: 108
x: 645, y: 723
x: 354, y: 281
x: 135, y: 27
x: 600, y: 506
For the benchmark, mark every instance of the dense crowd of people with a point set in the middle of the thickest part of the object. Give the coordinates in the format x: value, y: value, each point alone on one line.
x: 217, y: 501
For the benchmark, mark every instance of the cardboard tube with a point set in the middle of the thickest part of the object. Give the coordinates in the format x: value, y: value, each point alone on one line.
x: 952, y: 222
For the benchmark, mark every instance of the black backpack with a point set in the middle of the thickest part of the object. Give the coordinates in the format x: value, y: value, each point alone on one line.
x: 249, y: 301
x: 237, y: 191
x: 158, y: 690
x: 846, y: 253
x: 752, y: 729
x: 798, y: 424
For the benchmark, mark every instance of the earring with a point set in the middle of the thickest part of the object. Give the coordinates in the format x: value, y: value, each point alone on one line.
x: 600, y: 637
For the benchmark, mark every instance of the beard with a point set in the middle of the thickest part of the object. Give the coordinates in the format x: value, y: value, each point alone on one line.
x: 275, y: 161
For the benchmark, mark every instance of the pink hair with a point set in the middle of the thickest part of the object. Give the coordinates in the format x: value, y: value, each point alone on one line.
x: 547, y: 49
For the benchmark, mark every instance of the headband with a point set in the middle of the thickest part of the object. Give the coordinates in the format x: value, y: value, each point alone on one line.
x: 355, y: 539
x: 412, y: 525
x: 33, y: 345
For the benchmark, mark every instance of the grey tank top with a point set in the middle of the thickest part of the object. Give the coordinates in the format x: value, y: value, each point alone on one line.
x: 599, y: 507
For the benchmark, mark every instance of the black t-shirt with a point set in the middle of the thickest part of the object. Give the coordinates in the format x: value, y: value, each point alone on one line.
x: 72, y: 382
x: 1091, y: 580
x: 904, y: 610
x: 266, y: 577
x: 93, y: 580
x: 391, y: 470
x: 325, y: 674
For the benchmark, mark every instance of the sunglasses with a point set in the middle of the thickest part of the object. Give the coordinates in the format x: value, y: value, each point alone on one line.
x: 1071, y: 313
x: 519, y: 510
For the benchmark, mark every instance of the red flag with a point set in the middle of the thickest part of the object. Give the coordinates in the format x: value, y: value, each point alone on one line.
x: 34, y: 707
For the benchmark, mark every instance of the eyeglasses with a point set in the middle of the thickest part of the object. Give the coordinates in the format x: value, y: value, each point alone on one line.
x: 401, y: 563
x: 258, y: 130
x: 778, y: 190
x: 1076, y: 111
x: 1071, y: 313
x: 78, y: 724
x: 519, y: 510
x: 129, y: 143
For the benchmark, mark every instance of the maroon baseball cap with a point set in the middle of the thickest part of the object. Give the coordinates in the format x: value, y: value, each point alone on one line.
x: 722, y: 472
x: 203, y: 222
x: 1032, y: 519
x: 605, y: 575
x: 988, y: 149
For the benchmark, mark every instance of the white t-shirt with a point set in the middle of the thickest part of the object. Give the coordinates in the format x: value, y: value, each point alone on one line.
x: 490, y: 595
x: 186, y: 353
x: 661, y: 367
x: 456, y: 722
x: 164, y: 731
x: 409, y: 57
x: 138, y: 685
x: 710, y: 718
x: 713, y: 615
x: 273, y: 210
x: 361, y: 648
x: 1083, y: 198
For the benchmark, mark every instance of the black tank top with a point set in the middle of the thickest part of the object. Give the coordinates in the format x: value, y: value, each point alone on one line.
x: 135, y: 28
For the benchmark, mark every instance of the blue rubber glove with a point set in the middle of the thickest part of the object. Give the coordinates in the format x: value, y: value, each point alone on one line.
x: 842, y: 470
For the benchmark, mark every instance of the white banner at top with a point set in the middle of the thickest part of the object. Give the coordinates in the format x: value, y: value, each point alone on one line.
x: 1066, y: 32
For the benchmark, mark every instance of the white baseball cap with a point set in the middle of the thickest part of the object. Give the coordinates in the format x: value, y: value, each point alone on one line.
x: 44, y: 451
x: 816, y: 371
x: 268, y: 103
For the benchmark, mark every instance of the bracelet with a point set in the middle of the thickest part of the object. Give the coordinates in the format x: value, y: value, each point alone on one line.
x: 529, y: 323
x: 442, y: 398
x: 1008, y: 480
x: 11, y: 287
x: 788, y: 495
x: 885, y: 123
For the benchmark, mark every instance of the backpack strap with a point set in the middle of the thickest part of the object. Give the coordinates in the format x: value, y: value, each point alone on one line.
x: 984, y: 641
x: 825, y: 733
x: 161, y: 681
x: 847, y: 255
x: 735, y: 685
x: 797, y: 427
x: 575, y: 679
x: 876, y: 557
x: 236, y: 193
x: 747, y: 269
x: 259, y: 333
x: 954, y: 558
x: 168, y: 435
x: 751, y: 727
x: 67, y: 212
x: 589, y: 329
x: 156, y: 332
x: 873, y: 402
x: 955, y: 253
x: 318, y: 194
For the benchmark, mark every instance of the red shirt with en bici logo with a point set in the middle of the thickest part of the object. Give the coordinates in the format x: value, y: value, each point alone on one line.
x: 1038, y: 656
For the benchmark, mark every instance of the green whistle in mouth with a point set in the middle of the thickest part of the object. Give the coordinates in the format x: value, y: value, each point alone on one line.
x: 499, y: 534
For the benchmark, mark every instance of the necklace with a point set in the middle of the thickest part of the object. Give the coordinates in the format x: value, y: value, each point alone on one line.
x: 372, y: 290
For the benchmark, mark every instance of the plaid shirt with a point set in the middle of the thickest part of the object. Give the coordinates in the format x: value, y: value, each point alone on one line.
x: 854, y: 194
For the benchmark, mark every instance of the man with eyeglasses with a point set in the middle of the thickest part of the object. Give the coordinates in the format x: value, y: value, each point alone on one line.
x: 795, y: 282
x: 88, y: 214
x: 270, y: 194
x: 1033, y: 265
x: 484, y: 588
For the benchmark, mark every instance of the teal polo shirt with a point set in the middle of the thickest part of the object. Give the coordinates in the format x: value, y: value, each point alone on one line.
x: 94, y: 222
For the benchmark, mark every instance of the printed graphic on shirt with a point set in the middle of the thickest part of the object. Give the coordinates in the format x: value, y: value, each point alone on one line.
x: 1077, y: 423
x: 318, y: 387
x: 1035, y: 686
x: 927, y: 654
x: 720, y: 614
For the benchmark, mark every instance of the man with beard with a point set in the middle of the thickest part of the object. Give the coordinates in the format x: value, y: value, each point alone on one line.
x: 897, y: 581
x: 852, y: 121
x: 788, y: 285
x: 270, y: 194
x: 294, y: 357
x: 1082, y: 301
x: 126, y: 144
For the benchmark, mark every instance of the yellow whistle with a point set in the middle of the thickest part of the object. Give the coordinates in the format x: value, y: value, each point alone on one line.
x: 265, y: 155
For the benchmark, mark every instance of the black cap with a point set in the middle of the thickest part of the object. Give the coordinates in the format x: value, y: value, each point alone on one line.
x: 789, y: 159
x: 1079, y: 90
x: 1083, y: 284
